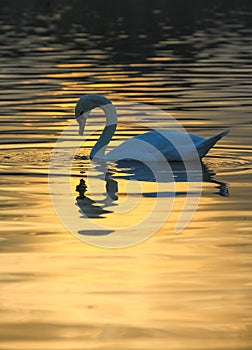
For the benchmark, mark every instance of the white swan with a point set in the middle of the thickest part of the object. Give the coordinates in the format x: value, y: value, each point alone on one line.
x: 150, y: 146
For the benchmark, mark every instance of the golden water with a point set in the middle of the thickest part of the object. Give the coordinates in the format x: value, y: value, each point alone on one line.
x: 174, y: 291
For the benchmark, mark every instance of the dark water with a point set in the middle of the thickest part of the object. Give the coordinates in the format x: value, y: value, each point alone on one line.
x: 188, y: 291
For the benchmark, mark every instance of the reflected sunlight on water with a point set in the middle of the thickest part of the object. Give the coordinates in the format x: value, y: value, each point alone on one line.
x: 186, y: 291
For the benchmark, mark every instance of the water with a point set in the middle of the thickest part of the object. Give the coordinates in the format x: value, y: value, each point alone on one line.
x: 174, y: 291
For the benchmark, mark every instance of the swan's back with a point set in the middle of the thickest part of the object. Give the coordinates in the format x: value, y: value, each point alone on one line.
x: 163, y: 145
x: 157, y: 146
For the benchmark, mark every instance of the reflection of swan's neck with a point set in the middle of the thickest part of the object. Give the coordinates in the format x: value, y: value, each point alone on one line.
x: 111, y: 123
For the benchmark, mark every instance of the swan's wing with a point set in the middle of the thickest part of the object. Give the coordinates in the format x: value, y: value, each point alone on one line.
x: 162, y: 138
x: 134, y: 149
x: 158, y: 139
x: 184, y: 147
x: 205, y: 145
x: 156, y: 146
x: 170, y: 144
x: 174, y: 145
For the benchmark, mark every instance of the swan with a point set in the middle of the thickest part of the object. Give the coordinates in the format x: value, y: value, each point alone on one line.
x: 150, y: 146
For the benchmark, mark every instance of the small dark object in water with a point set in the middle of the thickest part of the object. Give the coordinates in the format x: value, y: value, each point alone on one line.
x: 81, y: 188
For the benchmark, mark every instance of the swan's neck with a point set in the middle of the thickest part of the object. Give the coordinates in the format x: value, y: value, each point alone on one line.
x: 108, y: 132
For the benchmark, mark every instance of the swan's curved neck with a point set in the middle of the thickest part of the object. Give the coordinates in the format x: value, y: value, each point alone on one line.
x: 108, y: 132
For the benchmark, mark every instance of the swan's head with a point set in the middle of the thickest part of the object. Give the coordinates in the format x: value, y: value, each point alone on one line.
x: 85, y: 105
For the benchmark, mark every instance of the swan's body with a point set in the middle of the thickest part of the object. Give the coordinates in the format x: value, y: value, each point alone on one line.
x: 160, y: 144
x: 150, y: 146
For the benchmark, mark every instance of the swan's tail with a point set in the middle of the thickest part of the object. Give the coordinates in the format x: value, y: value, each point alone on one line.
x: 207, y: 144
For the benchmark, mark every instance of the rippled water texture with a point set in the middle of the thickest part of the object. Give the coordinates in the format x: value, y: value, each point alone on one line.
x: 175, y: 291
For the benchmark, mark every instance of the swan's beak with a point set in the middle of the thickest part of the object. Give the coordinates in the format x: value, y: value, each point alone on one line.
x: 82, y: 123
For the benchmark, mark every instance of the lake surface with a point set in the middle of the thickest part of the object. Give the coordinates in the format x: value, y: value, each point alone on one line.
x: 190, y: 290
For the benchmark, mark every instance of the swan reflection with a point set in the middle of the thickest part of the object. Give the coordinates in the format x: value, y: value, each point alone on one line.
x: 91, y: 208
x: 138, y: 171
